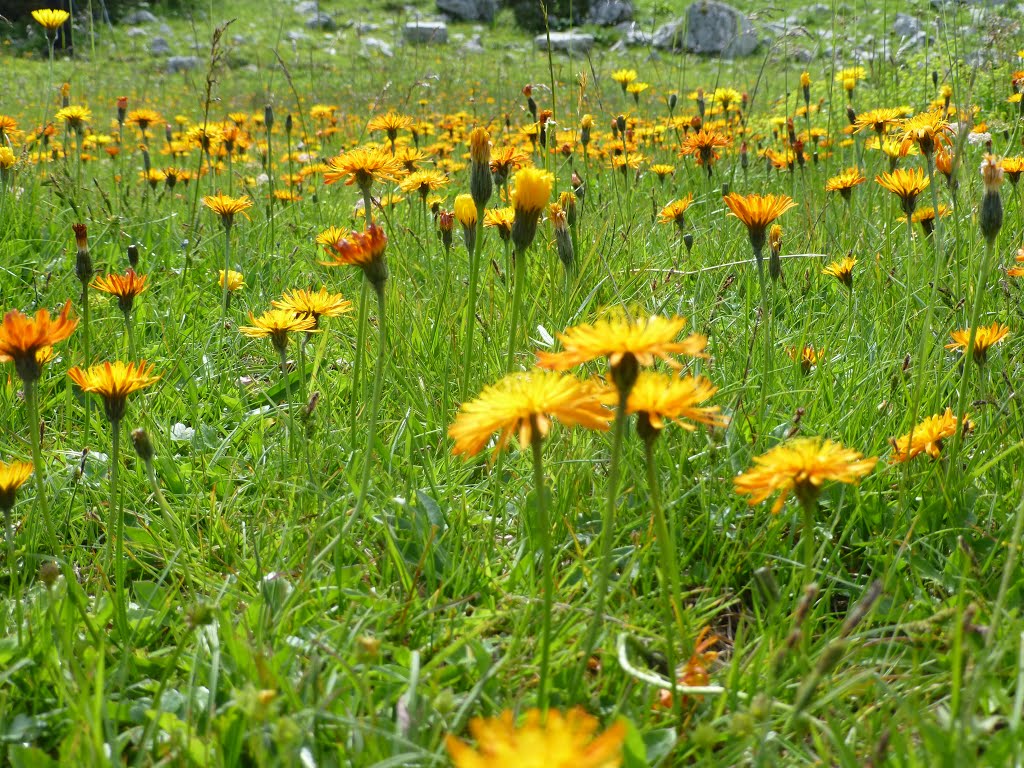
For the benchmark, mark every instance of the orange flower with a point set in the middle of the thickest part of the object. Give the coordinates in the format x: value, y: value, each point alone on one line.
x: 757, y: 212
x: 22, y: 339
x: 113, y: 382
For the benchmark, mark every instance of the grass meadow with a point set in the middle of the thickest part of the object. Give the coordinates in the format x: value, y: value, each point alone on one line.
x: 358, y: 534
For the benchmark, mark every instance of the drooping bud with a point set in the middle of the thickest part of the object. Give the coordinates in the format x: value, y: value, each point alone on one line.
x: 563, y: 238
x: 143, y: 445
x: 83, y: 261
x: 268, y: 117
x: 990, y: 218
x: 466, y: 213
x: 481, y: 184
x: 133, y: 255
x: 774, y: 258
x: 122, y: 109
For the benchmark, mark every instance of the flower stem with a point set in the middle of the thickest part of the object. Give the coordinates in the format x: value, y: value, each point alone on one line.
x: 607, y: 539
x: 87, y: 357
x: 378, y: 385
x: 474, y: 276
x: 548, y: 585
x: 961, y: 408
x: 667, y: 552
x: 115, y: 528
x: 283, y: 353
x: 809, y: 507
x: 32, y: 403
x: 517, y: 301
x: 357, y: 365
x: 225, y: 293
x: 130, y: 332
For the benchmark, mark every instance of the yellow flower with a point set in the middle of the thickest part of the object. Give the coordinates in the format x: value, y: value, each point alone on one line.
x: 276, y: 324
x: 877, y: 120
x: 844, y: 182
x: 906, y: 185
x: 659, y: 397
x: 675, y: 212
x: 805, y: 80
x: 465, y: 210
x: 51, y: 20
x: 555, y: 741
x: 661, y: 170
x: 500, y: 219
x: 842, y: 271
x: 74, y: 116
x: 364, y: 166
x: 313, y: 304
x: 532, y: 190
x: 226, y: 207
x: 22, y: 339
x: 125, y: 287
x: 757, y: 212
x: 624, y: 77
x: 7, y: 158
x: 524, y: 404
x: 1012, y: 167
x: 391, y: 124
x: 803, y: 466
x: 113, y: 382
x: 330, y: 236
x: 986, y: 336
x: 12, y: 477
x: 236, y: 280
x: 364, y: 250
x: 703, y: 145
x: 423, y: 182
x: 927, y: 437
x: 808, y: 356
x: 624, y: 340
x: 927, y: 130
x: 480, y: 146
x: 143, y: 118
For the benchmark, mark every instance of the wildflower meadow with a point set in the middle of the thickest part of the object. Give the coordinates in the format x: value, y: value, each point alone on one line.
x: 414, y: 405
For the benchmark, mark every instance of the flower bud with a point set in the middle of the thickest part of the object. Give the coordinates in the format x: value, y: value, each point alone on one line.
x: 268, y: 117
x: 990, y: 218
x: 143, y: 445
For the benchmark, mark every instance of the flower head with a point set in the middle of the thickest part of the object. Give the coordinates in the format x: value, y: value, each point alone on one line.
x: 532, y: 190
x: 675, y: 212
x: 22, y: 339
x: 878, y: 120
x: 391, y: 124
x: 12, y: 477
x: 51, y: 20
x: 276, y: 324
x: 627, y: 343
x: 315, y: 304
x: 659, y: 398
x: 226, y: 207
x: 500, y: 219
x: 987, y: 336
x: 906, y: 185
x: 704, y: 145
x: 927, y: 437
x: 844, y: 182
x: 802, y: 465
x: 423, y: 182
x: 465, y: 210
x: 363, y: 166
x: 808, y: 356
x: 125, y: 287
x: 364, y: 250
x: 523, y: 405
x: 842, y: 271
x: 554, y: 741
x: 236, y: 280
x: 757, y: 212
x: 927, y: 130
x: 74, y: 116
x: 113, y: 382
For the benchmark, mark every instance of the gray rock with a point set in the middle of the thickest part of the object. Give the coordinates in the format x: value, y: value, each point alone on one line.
x: 134, y: 32
x: 307, y: 7
x: 608, y: 13
x: 295, y: 35
x: 717, y: 28
x: 182, y: 63
x: 802, y: 55
x: 425, y: 32
x: 632, y: 34
x: 140, y: 17
x: 473, y: 45
x: 565, y: 42
x: 670, y: 35
x: 364, y: 26
x: 373, y: 45
x: 321, y: 21
x: 469, y: 10
x: 817, y: 12
x: 905, y: 25
x: 913, y: 42
x: 158, y: 46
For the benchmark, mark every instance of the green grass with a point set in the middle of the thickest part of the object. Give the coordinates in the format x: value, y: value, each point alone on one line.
x: 257, y: 635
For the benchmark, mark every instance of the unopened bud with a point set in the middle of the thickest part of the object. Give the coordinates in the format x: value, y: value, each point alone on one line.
x: 143, y: 445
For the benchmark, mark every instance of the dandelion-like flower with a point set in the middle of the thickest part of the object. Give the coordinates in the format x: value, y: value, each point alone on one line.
x: 529, y: 197
x: 500, y: 219
x: 927, y: 130
x: 757, y: 212
x: 986, y: 337
x: 125, y: 287
x: 12, y: 477
x: 802, y: 466
x: 235, y: 280
x: 524, y: 404
x: 906, y: 185
x: 423, y: 182
x: 50, y: 19
x: 842, y: 270
x: 23, y: 339
x: 363, y: 166
x: 276, y: 324
x: 227, y: 207
x: 391, y: 124
x: 844, y: 182
x: 926, y: 217
x: 659, y: 398
x: 553, y: 740
x: 364, y: 250
x: 315, y: 304
x: 927, y: 437
x: 675, y: 212
x: 808, y: 356
x: 113, y: 382
x: 878, y: 120
x: 75, y: 117
x: 704, y: 145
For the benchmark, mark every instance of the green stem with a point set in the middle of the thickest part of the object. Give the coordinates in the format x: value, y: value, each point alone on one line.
x: 357, y: 365
x: 669, y: 569
x: 170, y: 519
x: 378, y: 385
x: 517, y: 301
x: 131, y: 335
x: 32, y: 403
x: 607, y: 539
x: 225, y: 293
x: 283, y: 353
x: 809, y: 507
x: 115, y: 528
x: 548, y: 584
x: 474, y: 272
x: 87, y: 357
x: 968, y: 359
x: 766, y: 363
